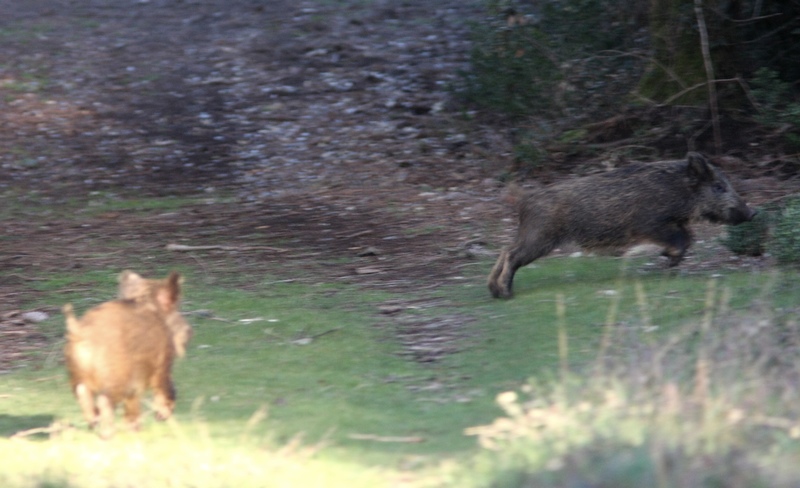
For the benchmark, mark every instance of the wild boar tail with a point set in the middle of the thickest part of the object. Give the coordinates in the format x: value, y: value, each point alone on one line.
x: 72, y: 322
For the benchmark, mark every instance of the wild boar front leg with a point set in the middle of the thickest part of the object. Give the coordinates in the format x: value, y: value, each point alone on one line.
x: 676, y: 240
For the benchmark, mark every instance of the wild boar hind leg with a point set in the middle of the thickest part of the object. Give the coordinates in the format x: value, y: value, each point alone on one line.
x: 105, y: 408
x: 133, y: 410
x: 519, y: 254
x: 86, y: 402
x: 494, y: 285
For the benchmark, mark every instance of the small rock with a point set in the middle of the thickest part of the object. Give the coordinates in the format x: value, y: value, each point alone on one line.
x: 35, y: 317
x: 390, y: 309
x: 370, y: 251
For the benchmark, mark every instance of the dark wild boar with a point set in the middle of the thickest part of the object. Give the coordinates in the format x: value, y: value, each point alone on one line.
x: 119, y: 350
x: 638, y: 203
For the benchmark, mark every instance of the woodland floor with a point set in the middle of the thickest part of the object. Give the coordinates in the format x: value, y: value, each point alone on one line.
x: 322, y: 135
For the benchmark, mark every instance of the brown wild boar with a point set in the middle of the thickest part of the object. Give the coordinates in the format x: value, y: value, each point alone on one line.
x: 145, y: 293
x: 120, y: 349
x: 638, y: 203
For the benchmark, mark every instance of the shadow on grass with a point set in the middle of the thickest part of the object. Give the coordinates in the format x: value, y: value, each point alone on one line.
x: 11, y: 424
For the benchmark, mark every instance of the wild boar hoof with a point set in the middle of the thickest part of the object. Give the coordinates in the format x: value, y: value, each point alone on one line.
x: 105, y: 432
x: 162, y: 416
x: 498, y: 292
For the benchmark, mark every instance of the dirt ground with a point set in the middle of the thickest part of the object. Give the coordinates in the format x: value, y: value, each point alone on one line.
x: 321, y: 132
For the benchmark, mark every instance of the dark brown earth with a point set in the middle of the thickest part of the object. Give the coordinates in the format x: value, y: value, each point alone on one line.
x: 321, y: 136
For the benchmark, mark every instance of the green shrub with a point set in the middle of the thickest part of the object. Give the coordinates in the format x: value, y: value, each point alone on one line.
x: 527, y: 155
x: 785, y: 243
x: 513, y: 70
x: 552, y: 57
x: 749, y: 238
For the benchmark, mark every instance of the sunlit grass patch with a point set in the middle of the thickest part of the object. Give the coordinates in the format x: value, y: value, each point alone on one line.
x: 176, y: 455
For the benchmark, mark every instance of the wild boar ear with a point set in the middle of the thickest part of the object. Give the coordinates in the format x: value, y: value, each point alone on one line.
x: 175, y: 280
x: 698, y: 167
x: 128, y: 275
x: 169, y: 294
x: 129, y: 284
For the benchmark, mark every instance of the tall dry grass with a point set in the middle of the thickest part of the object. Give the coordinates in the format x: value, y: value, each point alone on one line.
x: 716, y: 403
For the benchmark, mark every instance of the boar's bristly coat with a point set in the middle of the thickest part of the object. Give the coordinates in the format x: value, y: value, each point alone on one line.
x: 652, y: 202
x: 121, y: 349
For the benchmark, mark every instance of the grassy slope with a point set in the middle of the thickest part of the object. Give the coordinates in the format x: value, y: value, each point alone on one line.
x: 351, y: 380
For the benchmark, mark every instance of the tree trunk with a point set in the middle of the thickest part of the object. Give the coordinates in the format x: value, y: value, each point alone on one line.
x: 677, y: 74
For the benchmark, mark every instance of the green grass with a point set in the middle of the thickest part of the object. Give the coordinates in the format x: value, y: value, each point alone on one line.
x: 26, y: 204
x: 324, y: 363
